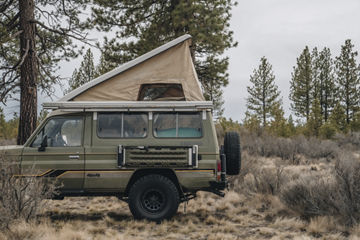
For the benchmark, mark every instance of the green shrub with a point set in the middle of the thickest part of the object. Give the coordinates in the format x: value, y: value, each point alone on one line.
x: 327, y: 131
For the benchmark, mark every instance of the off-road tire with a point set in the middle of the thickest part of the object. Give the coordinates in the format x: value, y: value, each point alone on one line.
x: 153, y: 197
x: 232, y: 152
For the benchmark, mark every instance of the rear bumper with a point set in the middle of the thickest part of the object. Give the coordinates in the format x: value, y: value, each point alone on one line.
x: 216, y: 187
x: 221, y: 185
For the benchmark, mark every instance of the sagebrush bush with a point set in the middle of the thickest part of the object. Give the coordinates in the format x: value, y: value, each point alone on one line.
x: 310, y: 196
x: 248, y: 165
x: 316, y: 148
x: 293, y: 148
x: 21, y: 197
x: 350, y: 141
x: 337, y: 194
x: 289, y: 149
x: 264, y: 181
x: 254, y: 178
x: 347, y: 172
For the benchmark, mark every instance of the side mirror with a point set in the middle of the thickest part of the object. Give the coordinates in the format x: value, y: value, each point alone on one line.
x: 43, y: 144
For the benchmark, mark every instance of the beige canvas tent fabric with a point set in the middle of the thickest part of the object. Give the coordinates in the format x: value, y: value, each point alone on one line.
x: 173, y: 65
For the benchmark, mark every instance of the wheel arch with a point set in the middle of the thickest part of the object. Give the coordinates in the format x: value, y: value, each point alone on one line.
x: 169, y: 173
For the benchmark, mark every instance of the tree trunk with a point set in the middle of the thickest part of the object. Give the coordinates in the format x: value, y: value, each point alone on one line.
x: 28, y: 72
x: 264, y: 105
x: 326, y: 108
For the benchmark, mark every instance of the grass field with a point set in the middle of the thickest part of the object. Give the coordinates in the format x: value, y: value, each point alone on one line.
x: 237, y: 216
x: 255, y: 207
x: 207, y: 217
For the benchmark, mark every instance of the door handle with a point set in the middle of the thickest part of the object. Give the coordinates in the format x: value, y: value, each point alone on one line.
x: 93, y: 175
x: 74, y: 156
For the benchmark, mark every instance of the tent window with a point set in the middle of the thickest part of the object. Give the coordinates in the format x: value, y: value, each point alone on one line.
x: 161, y: 92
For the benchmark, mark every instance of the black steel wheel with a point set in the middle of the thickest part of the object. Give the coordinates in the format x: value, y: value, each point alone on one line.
x: 153, y: 197
x: 153, y: 200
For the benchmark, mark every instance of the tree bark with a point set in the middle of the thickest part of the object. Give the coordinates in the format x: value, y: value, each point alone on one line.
x: 28, y: 72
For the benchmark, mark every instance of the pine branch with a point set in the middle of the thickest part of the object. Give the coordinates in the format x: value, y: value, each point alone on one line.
x: 65, y: 32
x: 11, y: 37
x: 49, y: 16
x: 12, y: 23
x: 5, y: 5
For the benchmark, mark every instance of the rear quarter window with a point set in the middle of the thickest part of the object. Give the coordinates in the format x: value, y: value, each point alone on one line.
x: 177, y: 125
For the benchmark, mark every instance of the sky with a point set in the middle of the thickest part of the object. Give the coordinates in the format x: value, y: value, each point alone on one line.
x: 280, y: 30
x: 276, y: 29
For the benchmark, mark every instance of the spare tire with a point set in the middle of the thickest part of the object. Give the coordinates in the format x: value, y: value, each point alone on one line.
x: 232, y: 152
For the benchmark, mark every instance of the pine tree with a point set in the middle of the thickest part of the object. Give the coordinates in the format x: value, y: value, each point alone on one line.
x: 324, y: 88
x: 327, y: 130
x: 34, y: 37
x: 264, y: 93
x: 252, y: 123
x: 315, y: 120
x: 338, y: 118
x: 85, y: 73
x: 291, y: 126
x: 8, y: 129
x: 355, y: 123
x: 147, y: 24
x: 104, y: 66
x: 326, y: 80
x: 279, y: 125
x: 348, y: 80
x: 315, y: 75
x: 301, y: 85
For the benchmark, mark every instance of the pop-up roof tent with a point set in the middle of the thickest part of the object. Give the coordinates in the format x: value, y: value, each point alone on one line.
x: 166, y: 73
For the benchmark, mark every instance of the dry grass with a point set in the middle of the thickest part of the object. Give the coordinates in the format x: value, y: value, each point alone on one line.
x: 21, y: 197
x: 252, y: 209
x: 208, y: 217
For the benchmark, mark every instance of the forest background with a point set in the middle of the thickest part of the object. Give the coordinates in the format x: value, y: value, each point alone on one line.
x: 211, y: 63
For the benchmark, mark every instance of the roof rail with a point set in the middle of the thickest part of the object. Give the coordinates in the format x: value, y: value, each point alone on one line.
x: 130, y: 105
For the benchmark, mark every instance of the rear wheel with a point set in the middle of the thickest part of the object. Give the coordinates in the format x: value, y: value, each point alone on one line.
x: 153, y: 197
x: 232, y: 152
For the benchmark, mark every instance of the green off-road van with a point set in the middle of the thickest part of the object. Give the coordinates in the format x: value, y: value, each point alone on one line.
x: 154, y: 150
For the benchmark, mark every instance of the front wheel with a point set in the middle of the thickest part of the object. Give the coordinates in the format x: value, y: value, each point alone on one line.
x: 153, y: 197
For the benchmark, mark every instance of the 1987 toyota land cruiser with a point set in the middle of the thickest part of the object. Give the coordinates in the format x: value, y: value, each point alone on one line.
x: 152, y: 152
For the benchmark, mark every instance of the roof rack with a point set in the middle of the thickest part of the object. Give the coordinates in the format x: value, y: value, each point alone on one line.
x: 130, y: 105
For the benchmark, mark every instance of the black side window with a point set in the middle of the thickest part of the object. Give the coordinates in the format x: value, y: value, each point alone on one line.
x: 122, y: 125
x: 177, y: 125
x: 109, y: 125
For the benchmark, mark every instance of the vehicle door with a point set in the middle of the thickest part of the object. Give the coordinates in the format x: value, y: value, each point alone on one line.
x: 57, y: 150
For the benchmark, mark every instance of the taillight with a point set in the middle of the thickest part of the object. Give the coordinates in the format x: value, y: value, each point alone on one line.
x: 218, y: 172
